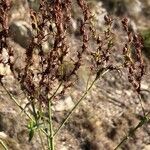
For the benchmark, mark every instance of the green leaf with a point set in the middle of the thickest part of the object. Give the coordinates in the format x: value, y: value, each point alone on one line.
x: 31, y: 134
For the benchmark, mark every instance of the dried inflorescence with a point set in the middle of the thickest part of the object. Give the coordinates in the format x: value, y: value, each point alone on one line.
x: 49, y: 24
x: 105, y: 45
x: 43, y: 69
x: 134, y: 65
x: 4, y: 33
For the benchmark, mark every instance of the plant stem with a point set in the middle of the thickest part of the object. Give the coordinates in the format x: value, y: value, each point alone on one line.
x: 141, y: 103
x: 10, y: 95
x: 47, y: 136
x: 77, y: 104
x: 51, y: 138
x: 40, y: 136
x: 3, y: 145
x: 55, y: 92
x: 22, y: 109
x: 144, y: 120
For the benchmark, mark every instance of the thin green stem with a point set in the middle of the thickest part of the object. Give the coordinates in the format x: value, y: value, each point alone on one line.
x: 77, y: 104
x: 42, y: 143
x: 55, y: 92
x: 143, y: 121
x: 22, y: 109
x: 47, y: 137
x: 3, y: 145
x: 34, y: 110
x: 51, y: 138
x: 10, y: 95
x: 141, y: 103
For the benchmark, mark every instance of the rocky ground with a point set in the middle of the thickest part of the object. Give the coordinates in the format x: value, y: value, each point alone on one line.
x: 109, y: 110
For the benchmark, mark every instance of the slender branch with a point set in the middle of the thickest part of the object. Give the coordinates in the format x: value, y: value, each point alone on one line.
x: 55, y: 92
x: 77, y: 104
x: 3, y: 145
x: 13, y: 98
x: 47, y: 137
x: 51, y: 138
x: 141, y: 103
x: 42, y: 143
x: 143, y: 121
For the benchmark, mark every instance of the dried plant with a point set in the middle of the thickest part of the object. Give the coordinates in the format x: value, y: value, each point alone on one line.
x: 43, y: 70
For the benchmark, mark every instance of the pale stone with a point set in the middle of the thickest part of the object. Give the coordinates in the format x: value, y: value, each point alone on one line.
x: 147, y: 147
x: 144, y: 86
x: 65, y: 104
x: 21, y: 33
x: 19, y: 11
x: 3, y: 135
